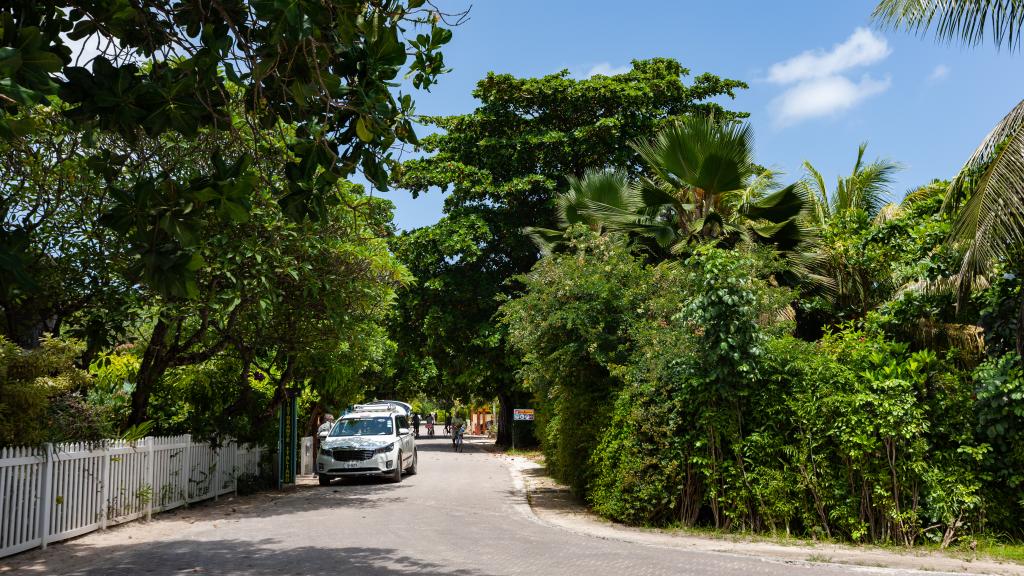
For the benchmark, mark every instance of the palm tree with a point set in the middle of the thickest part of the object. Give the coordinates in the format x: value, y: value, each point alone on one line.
x: 866, y: 188
x: 849, y: 286
x: 703, y: 186
x: 989, y: 189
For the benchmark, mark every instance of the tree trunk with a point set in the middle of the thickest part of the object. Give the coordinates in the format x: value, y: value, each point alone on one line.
x: 154, y: 363
x: 505, y: 401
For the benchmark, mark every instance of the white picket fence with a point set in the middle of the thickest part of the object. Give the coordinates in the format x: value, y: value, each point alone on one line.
x: 64, y: 490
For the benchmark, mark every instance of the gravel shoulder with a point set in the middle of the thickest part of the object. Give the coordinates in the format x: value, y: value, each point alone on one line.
x: 553, y: 504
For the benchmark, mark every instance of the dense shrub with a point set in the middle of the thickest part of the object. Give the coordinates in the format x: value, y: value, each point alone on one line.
x: 570, y: 327
x: 999, y: 386
x: 29, y: 379
x: 854, y: 437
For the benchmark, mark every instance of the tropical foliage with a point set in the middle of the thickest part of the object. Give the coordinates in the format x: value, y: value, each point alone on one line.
x: 702, y: 184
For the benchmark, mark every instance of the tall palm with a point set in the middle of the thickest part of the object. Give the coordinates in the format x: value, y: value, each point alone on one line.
x: 848, y: 285
x: 703, y: 185
x: 866, y: 188
x: 989, y: 189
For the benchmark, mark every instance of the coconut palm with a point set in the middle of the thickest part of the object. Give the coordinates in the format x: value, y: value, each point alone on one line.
x: 969, y: 21
x: 988, y: 192
x: 703, y: 186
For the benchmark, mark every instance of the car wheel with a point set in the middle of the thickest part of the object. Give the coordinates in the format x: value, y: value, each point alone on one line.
x: 324, y: 480
x: 396, y: 476
x: 415, y: 460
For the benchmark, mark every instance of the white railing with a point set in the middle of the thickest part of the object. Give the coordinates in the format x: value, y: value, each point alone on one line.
x: 64, y: 490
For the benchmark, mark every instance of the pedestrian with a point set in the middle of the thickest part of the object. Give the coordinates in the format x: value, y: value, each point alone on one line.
x: 430, y: 424
x: 447, y: 422
x: 416, y: 423
x: 326, y: 427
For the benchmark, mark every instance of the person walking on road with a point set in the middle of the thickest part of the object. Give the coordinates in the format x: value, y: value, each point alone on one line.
x: 430, y: 424
x: 326, y: 427
x: 416, y: 424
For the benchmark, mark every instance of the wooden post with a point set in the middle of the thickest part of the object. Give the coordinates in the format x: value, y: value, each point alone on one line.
x: 149, y: 476
x: 215, y: 473
x: 105, y: 487
x: 185, y: 470
x: 46, y: 495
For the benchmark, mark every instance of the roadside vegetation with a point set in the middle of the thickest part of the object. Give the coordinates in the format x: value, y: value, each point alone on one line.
x: 708, y: 344
x: 711, y: 348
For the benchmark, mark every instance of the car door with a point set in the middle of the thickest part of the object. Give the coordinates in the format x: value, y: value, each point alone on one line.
x: 402, y: 422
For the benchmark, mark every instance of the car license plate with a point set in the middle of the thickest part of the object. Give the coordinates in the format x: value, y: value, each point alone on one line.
x: 351, y: 464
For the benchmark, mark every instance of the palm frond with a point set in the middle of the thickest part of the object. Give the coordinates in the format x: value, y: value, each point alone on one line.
x: 815, y: 183
x: 699, y: 153
x: 969, y: 21
x: 887, y: 213
x: 545, y: 239
x: 595, y: 187
x: 991, y: 222
x: 943, y: 286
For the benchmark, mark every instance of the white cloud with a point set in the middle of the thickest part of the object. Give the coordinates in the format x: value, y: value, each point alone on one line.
x: 939, y: 73
x: 822, y: 97
x: 816, y: 86
x: 606, y: 69
x: 862, y: 48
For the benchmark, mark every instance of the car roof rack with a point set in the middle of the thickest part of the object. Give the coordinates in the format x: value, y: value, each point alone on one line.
x: 377, y: 407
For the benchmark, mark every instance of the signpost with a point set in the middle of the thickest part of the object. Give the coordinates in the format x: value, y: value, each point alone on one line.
x: 519, y: 414
x: 287, y: 439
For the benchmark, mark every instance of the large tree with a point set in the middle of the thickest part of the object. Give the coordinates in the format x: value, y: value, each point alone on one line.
x: 317, y: 75
x: 502, y: 165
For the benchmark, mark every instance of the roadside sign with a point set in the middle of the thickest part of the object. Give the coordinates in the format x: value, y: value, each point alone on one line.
x: 522, y: 414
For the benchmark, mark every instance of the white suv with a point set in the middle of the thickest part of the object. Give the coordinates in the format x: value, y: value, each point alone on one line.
x: 372, y: 439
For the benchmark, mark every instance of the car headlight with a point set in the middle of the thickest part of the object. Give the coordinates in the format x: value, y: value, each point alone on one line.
x: 385, y: 449
x: 326, y: 452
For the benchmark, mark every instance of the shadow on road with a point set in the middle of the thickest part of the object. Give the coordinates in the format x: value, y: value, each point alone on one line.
x: 444, y: 444
x: 253, y: 558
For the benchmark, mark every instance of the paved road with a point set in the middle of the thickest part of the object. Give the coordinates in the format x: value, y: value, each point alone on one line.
x: 460, y: 515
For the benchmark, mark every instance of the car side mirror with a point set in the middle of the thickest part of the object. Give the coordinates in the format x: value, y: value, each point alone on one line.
x: 403, y: 431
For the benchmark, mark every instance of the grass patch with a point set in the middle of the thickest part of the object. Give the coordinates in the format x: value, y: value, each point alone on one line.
x: 531, y: 453
x: 1002, y: 551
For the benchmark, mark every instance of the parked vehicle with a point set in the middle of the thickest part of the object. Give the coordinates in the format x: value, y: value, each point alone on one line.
x: 371, y: 439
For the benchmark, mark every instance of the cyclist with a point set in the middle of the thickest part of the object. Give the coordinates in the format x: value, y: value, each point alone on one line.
x: 430, y: 424
x: 458, y: 432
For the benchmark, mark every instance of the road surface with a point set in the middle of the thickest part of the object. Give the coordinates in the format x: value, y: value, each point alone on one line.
x: 462, y: 514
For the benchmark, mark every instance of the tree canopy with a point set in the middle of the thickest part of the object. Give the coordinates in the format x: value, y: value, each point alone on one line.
x: 501, y: 166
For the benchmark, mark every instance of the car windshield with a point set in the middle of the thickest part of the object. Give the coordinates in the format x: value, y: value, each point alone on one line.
x: 378, y: 426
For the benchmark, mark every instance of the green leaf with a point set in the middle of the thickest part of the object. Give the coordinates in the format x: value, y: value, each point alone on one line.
x: 363, y: 130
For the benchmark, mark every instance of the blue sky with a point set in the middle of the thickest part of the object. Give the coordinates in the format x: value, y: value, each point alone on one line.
x: 821, y: 78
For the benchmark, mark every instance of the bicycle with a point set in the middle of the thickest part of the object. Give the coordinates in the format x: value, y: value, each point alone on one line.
x: 457, y: 441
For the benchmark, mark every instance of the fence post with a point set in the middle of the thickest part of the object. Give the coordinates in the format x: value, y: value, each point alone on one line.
x: 151, y: 482
x: 234, y: 469
x: 46, y: 496
x: 186, y: 472
x: 215, y: 474
x: 105, y: 487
